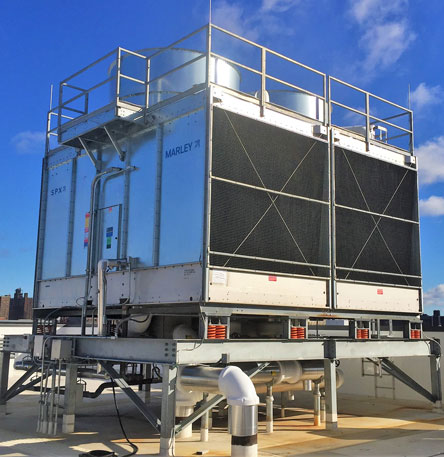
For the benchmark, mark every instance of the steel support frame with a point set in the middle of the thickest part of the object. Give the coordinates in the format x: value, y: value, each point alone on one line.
x: 69, y: 399
x: 5, y: 358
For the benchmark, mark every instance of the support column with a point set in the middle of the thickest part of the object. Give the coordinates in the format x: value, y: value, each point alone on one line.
x: 204, y: 422
x: 331, y: 410
x: 147, y: 371
x: 317, y: 404
x: 269, y: 409
x: 435, y: 374
x: 167, y: 438
x: 323, y: 406
x: 69, y: 400
x: 5, y: 357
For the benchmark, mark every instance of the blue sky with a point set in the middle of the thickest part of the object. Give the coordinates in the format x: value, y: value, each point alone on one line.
x: 379, y: 45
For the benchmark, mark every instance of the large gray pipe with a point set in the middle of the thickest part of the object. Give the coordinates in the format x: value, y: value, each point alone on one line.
x: 291, y: 374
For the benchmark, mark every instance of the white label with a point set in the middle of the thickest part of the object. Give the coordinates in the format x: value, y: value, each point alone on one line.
x: 220, y: 277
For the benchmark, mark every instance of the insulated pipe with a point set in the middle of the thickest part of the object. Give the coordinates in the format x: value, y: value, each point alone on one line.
x: 101, y: 297
x: 91, y: 241
x: 204, y: 378
x: 317, y: 404
x: 243, y: 401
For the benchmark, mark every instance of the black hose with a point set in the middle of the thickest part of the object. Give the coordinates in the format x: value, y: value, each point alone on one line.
x: 133, y: 446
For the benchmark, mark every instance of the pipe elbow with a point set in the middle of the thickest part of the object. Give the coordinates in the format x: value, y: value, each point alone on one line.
x: 237, y: 387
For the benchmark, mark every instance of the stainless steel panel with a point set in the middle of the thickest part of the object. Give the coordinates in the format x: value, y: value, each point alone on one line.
x: 142, y: 198
x: 268, y: 290
x: 85, y: 175
x: 377, y: 298
x: 110, y: 201
x: 175, y: 284
x: 56, y: 223
x: 182, y: 199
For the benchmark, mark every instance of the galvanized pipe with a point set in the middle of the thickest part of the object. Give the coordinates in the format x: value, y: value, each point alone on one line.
x: 101, y: 297
x: 269, y: 409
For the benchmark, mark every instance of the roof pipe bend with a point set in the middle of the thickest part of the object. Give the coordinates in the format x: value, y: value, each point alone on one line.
x: 237, y: 387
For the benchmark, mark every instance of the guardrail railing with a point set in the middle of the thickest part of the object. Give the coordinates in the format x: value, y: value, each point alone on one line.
x: 140, y: 79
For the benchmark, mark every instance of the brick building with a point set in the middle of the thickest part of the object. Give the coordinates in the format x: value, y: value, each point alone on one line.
x: 17, y: 307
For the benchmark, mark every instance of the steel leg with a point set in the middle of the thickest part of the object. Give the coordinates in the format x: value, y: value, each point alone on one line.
x: 69, y: 400
x: 317, y: 404
x: 331, y: 410
x: 204, y: 422
x: 435, y: 373
x: 167, y: 438
x: 4, y: 376
x: 147, y: 373
x: 269, y: 409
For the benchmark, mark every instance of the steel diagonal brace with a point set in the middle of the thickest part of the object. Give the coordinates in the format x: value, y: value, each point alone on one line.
x: 400, y: 375
x: 141, y: 406
x: 15, y: 388
x: 89, y: 153
x: 115, y: 144
x: 213, y: 402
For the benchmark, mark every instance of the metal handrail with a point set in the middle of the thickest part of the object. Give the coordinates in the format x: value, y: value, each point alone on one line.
x: 325, y: 96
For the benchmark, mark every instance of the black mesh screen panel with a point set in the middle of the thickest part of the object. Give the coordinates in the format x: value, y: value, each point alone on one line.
x: 263, y: 230
x: 259, y: 154
x: 374, y: 185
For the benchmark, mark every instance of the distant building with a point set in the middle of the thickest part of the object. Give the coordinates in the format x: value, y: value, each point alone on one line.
x: 18, y: 307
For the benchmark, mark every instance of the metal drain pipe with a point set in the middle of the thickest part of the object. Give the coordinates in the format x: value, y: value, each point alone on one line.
x: 243, y: 401
x: 101, y: 297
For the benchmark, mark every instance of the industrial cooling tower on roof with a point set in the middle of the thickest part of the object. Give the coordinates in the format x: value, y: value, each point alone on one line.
x: 211, y: 203
x: 267, y: 192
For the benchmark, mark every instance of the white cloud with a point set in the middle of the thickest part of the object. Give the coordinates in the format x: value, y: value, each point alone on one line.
x: 424, y: 96
x: 236, y: 17
x: 366, y: 10
x: 277, y: 6
x: 385, y: 43
x: 432, y: 206
x: 431, y: 161
x: 28, y: 142
x: 435, y: 296
x: 386, y: 32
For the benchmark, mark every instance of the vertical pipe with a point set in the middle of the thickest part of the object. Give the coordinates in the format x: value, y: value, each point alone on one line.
x: 52, y: 402
x: 69, y: 398
x: 317, y: 404
x: 263, y: 80
x: 243, y: 429
x: 367, y: 121
x: 331, y: 410
x: 101, y: 297
x: 167, y: 438
x: 4, y: 376
x: 323, y: 406
x: 269, y: 409
x: 284, y: 399
x: 56, y: 419
x: 204, y: 423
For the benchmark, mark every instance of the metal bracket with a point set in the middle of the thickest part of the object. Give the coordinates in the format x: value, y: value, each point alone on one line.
x: 330, y: 349
x: 89, y: 153
x: 141, y: 406
x: 115, y: 144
